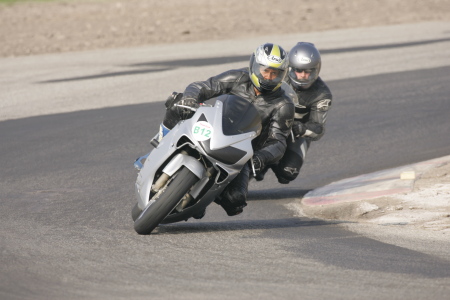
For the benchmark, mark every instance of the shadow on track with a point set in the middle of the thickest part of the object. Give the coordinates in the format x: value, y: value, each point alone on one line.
x: 186, y: 228
x: 276, y: 194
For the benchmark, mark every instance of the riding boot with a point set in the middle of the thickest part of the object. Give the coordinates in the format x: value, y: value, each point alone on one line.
x: 233, y: 198
x: 163, y: 131
x: 139, y: 162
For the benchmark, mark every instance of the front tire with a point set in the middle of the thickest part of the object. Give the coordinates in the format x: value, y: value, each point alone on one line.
x: 180, y: 183
x: 135, y: 212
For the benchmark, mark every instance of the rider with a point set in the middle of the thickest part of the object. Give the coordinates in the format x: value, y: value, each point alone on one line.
x: 311, y: 110
x: 260, y: 85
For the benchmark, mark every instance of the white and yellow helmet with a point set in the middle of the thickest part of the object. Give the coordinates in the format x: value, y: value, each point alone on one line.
x: 268, y: 56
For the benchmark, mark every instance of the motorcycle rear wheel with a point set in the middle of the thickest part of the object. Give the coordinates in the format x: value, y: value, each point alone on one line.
x: 180, y: 183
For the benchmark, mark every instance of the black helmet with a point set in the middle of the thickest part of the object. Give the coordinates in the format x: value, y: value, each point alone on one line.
x: 304, y: 56
x: 268, y: 56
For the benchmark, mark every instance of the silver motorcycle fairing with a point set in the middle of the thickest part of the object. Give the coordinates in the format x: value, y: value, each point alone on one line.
x: 171, y: 143
x: 146, y: 175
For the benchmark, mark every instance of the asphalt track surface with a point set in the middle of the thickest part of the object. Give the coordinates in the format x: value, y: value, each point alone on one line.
x: 67, y: 191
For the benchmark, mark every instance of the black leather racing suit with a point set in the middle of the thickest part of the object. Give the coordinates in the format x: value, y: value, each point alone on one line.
x: 276, y: 110
x: 311, y: 109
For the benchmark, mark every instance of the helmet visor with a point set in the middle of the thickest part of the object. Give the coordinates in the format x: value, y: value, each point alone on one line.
x: 269, y: 77
x: 303, y: 76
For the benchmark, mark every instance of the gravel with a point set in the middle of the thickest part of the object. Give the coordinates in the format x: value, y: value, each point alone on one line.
x: 37, y: 27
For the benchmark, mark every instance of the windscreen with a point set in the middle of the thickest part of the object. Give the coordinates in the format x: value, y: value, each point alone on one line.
x: 239, y: 116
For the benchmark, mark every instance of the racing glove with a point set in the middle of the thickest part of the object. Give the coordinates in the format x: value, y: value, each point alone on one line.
x: 172, y: 99
x: 298, y: 129
x: 177, y: 98
x: 184, y: 112
x: 189, y: 102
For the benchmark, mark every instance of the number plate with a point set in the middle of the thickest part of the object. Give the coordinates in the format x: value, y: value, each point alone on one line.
x: 202, y: 131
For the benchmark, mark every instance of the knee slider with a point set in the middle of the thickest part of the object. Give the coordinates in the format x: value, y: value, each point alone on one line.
x: 236, y: 197
x: 289, y: 173
x: 286, y: 175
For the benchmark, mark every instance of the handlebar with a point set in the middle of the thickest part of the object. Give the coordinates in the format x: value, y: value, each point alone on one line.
x: 193, y: 108
x: 185, y: 106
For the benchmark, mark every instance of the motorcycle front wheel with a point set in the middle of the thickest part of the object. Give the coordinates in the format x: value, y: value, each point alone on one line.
x: 177, y: 186
x: 135, y: 212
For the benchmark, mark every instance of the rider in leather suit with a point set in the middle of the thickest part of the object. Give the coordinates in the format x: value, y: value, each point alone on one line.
x: 311, y: 110
x: 260, y: 85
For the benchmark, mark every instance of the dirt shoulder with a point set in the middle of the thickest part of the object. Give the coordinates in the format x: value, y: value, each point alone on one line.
x: 427, y: 206
x: 34, y: 27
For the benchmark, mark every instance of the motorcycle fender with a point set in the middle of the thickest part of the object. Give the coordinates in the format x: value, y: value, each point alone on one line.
x: 142, y: 189
x: 184, y: 160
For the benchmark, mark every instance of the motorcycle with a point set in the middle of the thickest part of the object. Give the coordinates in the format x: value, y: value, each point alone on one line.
x: 194, y: 162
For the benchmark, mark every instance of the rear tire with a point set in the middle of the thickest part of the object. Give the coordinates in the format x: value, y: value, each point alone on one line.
x: 180, y: 183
